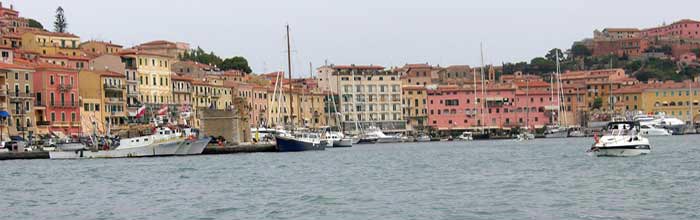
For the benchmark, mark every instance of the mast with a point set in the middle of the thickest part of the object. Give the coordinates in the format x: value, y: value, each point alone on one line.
x: 559, y: 106
x: 483, y: 91
x: 476, y: 105
x: 289, y: 68
x: 527, y: 103
x: 313, y: 110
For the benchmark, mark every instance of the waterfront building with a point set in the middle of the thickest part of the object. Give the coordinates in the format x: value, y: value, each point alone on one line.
x: 499, y: 106
x: 16, y: 99
x: 182, y: 96
x: 457, y: 75
x: 57, y: 100
x: 153, y: 74
x: 683, y: 29
x: 630, y: 99
x: 193, y: 69
x: 672, y: 98
x: 103, y: 98
x: 12, y: 26
x: 415, y: 107
x: 369, y: 95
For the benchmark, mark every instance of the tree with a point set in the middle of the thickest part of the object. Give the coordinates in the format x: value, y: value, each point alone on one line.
x: 35, y: 24
x: 236, y: 63
x: 541, y: 65
x: 552, y: 55
x: 60, y: 24
x: 597, y: 103
x: 580, y: 50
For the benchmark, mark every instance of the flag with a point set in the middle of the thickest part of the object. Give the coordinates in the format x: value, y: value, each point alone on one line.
x: 140, y: 112
x: 163, y: 110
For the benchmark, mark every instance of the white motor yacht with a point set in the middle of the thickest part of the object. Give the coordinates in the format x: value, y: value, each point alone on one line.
x: 652, y: 130
x: 381, y: 137
x: 466, y: 136
x: 621, y: 139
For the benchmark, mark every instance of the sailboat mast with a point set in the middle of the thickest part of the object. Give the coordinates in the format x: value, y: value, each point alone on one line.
x: 483, y: 91
x: 527, y: 105
x: 556, y: 75
x: 289, y: 69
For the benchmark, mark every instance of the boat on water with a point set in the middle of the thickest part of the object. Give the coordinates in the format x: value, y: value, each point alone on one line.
x: 675, y: 125
x: 576, y: 132
x: 652, y: 130
x: 621, y: 139
x: 466, y: 136
x: 337, y: 139
x: 304, y: 141
x: 525, y: 136
x: 381, y: 137
x: 423, y: 138
x: 163, y: 142
x: 556, y: 132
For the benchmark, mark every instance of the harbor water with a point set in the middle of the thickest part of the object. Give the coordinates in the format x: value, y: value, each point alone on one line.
x: 539, y: 179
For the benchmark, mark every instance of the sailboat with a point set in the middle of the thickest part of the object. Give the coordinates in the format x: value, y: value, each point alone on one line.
x: 557, y: 131
x: 525, y: 135
x: 296, y: 141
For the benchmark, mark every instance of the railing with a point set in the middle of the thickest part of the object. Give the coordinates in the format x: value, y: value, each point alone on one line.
x: 108, y: 86
x: 63, y: 105
x: 65, y: 86
x: 61, y: 123
x: 43, y: 123
x: 75, y: 124
x: 20, y: 96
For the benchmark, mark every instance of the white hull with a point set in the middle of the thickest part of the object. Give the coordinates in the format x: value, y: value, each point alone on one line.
x: 557, y: 134
x: 389, y: 139
x: 343, y: 143
x: 196, y: 147
x: 423, y: 139
x: 617, y: 152
x: 159, y: 149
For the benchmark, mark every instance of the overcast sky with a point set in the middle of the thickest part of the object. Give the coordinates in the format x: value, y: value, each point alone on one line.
x: 388, y: 33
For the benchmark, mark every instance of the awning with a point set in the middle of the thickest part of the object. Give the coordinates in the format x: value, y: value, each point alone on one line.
x: 4, y: 114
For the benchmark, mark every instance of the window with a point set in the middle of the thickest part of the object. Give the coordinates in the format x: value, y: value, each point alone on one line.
x: 53, y: 116
x: 63, y: 116
x: 51, y: 81
x: 97, y: 107
x: 72, y: 116
x: 26, y: 76
x: 51, y: 99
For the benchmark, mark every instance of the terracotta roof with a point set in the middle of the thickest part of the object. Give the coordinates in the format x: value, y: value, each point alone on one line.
x: 413, y: 87
x: 419, y: 65
x: 60, y: 56
x: 108, y: 73
x: 357, y: 67
x: 621, y: 29
x: 156, y: 42
x: 180, y: 77
x: 41, y: 66
x: 102, y: 42
x: 138, y: 52
x: 14, y: 66
x: 55, y: 34
x: 532, y: 84
x: 196, y: 64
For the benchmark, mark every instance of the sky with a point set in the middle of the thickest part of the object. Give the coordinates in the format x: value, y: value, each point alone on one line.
x: 387, y: 33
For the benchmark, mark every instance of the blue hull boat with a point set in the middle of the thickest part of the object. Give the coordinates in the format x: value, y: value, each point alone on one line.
x: 288, y: 144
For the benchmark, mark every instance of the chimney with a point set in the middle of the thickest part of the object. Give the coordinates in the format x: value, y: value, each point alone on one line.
x: 12, y: 7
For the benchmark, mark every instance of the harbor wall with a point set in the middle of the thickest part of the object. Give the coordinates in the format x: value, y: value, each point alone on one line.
x: 228, y: 124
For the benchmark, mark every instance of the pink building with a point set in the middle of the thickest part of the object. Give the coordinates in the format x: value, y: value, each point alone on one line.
x: 506, y: 106
x: 685, y: 29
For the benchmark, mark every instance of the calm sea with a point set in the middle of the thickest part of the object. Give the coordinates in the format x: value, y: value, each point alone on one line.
x: 541, y: 179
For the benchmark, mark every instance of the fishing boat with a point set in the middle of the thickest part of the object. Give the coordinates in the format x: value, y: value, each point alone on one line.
x: 163, y: 142
x: 621, y: 139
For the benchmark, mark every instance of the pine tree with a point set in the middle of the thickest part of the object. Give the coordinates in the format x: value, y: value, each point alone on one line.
x: 60, y: 24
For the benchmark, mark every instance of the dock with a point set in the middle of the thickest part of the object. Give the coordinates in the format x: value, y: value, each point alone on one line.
x: 31, y: 155
x: 241, y: 148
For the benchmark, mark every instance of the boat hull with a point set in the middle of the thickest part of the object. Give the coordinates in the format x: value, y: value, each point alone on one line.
x: 197, y: 146
x: 153, y: 150
x: 389, y: 140
x: 342, y: 143
x: 560, y: 134
x: 367, y: 141
x: 622, y: 151
x: 285, y: 144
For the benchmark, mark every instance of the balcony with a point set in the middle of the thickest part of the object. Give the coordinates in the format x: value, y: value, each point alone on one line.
x: 75, y: 124
x: 64, y: 105
x: 114, y: 99
x: 114, y: 87
x: 20, y: 96
x: 60, y: 124
x: 65, y: 87
x: 43, y: 123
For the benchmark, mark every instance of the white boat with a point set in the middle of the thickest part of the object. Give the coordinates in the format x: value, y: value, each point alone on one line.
x: 164, y: 142
x: 652, y: 130
x: 337, y: 139
x: 621, y: 139
x: 576, y: 132
x: 556, y: 132
x: 675, y: 125
x: 525, y: 136
x: 381, y: 137
x: 466, y: 136
x: 423, y: 138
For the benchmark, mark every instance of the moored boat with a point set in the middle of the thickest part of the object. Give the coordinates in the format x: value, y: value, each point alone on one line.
x: 299, y: 142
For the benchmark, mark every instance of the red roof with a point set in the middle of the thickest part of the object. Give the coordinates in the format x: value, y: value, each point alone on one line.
x: 180, y: 77
x: 14, y: 66
x: 138, y: 52
x: 108, y: 73
x: 156, y: 42
x: 358, y: 67
x: 55, y: 34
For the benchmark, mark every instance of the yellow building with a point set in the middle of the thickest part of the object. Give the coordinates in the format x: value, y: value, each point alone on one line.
x: 100, y: 47
x: 51, y: 43
x: 103, y: 103
x: 307, y: 108
x: 154, y: 79
x: 675, y: 99
x: 629, y: 99
x: 415, y: 107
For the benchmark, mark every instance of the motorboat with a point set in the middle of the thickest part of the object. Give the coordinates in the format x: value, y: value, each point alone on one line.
x: 525, y: 136
x: 337, y: 139
x: 556, y: 132
x: 304, y: 141
x: 621, y: 139
x: 675, y: 125
x: 576, y: 132
x: 652, y: 130
x: 381, y: 137
x: 466, y: 136
x: 423, y: 138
